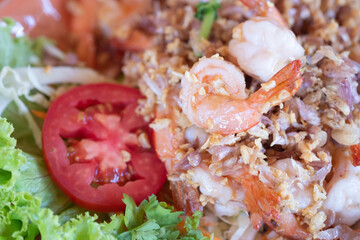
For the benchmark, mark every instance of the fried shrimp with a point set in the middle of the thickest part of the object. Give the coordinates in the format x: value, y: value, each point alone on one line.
x: 264, y: 44
x: 124, y: 36
x: 344, y: 188
x: 262, y: 47
x: 167, y: 140
x: 265, y: 8
x: 213, y: 95
x: 263, y: 204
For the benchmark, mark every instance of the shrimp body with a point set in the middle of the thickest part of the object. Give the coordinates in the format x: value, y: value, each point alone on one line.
x: 262, y: 47
x: 263, y: 204
x: 227, y: 198
x: 124, y: 36
x: 167, y: 136
x: 167, y: 140
x: 344, y: 188
x: 213, y: 95
x: 301, y: 185
x: 265, y: 8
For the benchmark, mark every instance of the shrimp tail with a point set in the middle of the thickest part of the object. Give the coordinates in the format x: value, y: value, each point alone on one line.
x: 186, y: 197
x: 257, y: 205
x: 264, y: 205
x: 281, y: 87
x: 265, y: 8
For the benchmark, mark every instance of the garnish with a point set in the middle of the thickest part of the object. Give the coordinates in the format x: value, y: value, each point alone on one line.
x: 31, y: 207
x: 207, y: 13
x: 90, y: 147
x: 16, y: 49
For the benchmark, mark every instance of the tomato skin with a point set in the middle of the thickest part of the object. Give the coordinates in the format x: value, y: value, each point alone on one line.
x: 74, y: 179
x: 355, y: 153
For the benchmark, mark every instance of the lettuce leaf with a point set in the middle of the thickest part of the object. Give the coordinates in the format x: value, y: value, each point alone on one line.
x: 15, y: 214
x: 15, y: 206
x: 35, y: 179
x: 22, y: 133
x: 32, y: 206
x: 18, y: 51
x: 11, y: 158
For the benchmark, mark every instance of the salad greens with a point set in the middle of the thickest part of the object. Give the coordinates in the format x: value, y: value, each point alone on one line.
x: 31, y: 205
x: 207, y: 13
x: 16, y: 51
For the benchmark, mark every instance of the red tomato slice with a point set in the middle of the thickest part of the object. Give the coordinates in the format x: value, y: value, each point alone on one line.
x: 91, y: 150
x: 355, y: 153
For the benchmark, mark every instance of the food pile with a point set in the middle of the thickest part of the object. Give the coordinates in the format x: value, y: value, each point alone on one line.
x: 248, y: 109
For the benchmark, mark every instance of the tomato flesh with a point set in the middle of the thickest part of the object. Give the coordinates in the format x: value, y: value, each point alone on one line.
x: 355, y: 153
x: 91, y: 149
x: 111, y: 151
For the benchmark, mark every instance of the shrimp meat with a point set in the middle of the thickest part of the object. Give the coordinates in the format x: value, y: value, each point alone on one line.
x: 263, y: 203
x: 265, y: 8
x: 213, y: 95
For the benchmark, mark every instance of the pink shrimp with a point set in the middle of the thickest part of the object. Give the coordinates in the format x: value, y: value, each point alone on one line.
x: 167, y: 141
x: 118, y: 21
x: 263, y: 44
x: 263, y: 204
x: 213, y: 95
x: 265, y: 8
x: 344, y: 186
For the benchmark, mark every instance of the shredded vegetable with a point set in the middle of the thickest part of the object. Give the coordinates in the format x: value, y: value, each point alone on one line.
x: 17, y: 82
x: 207, y: 13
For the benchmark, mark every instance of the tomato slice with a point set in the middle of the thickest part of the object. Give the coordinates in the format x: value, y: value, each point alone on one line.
x: 91, y: 149
x: 355, y: 153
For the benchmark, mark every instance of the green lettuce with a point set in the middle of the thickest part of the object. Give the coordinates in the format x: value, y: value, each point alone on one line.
x: 35, y: 180
x: 32, y: 206
x: 22, y: 133
x: 18, y: 51
x: 14, y: 206
x: 11, y: 158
